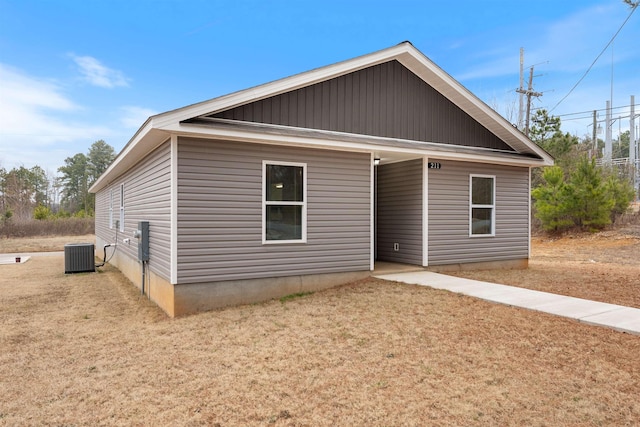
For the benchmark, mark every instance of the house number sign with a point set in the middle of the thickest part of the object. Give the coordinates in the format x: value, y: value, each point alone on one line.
x: 434, y: 165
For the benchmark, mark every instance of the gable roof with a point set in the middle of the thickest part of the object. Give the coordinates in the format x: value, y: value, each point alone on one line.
x: 385, y: 100
x: 195, y: 120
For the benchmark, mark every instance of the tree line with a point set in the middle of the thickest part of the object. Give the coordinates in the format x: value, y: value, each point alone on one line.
x: 27, y: 193
x: 575, y: 193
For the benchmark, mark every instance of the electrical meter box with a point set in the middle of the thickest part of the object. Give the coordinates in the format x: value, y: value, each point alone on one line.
x: 143, y: 241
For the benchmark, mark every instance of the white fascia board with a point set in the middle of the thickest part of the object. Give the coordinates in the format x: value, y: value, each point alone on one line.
x: 143, y: 142
x: 405, y: 53
x: 187, y: 130
x: 277, y: 87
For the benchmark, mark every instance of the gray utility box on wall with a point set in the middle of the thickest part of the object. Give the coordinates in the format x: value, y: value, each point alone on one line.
x: 79, y: 258
x: 143, y: 241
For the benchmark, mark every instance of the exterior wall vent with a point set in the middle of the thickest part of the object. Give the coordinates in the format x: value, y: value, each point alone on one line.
x: 79, y: 258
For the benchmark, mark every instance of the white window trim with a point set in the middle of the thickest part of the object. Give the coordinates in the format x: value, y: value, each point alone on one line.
x: 492, y: 206
x: 121, y: 207
x: 111, y: 208
x: 266, y: 203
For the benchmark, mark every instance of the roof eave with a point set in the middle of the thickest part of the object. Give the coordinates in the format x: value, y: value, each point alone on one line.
x: 444, y: 83
x: 280, y: 86
x: 313, y: 138
x: 147, y: 137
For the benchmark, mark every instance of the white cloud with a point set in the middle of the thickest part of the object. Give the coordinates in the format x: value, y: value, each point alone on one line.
x: 97, y: 74
x: 134, y: 117
x: 37, y: 123
x: 19, y: 90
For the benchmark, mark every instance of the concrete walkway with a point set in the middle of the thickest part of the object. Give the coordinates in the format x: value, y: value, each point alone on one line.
x: 618, y: 317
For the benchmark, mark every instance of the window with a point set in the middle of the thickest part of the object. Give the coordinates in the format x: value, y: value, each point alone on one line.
x: 111, y: 208
x: 482, y: 206
x: 284, y: 202
x: 121, y: 207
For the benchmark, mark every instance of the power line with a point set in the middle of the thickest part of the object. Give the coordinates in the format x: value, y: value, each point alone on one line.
x: 633, y: 9
x: 591, y: 116
x: 591, y: 111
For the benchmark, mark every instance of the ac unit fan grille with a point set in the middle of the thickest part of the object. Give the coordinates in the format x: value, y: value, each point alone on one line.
x: 79, y: 258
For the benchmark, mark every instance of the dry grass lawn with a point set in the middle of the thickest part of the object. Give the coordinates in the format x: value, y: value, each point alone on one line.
x: 87, y: 349
x: 41, y: 244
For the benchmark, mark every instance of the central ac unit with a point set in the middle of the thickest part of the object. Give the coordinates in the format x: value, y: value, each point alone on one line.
x: 79, y: 258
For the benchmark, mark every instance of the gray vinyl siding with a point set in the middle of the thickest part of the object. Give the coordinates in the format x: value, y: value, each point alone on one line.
x: 385, y: 100
x: 102, y: 216
x: 399, y: 212
x: 449, y: 241
x: 220, y: 212
x: 147, y: 197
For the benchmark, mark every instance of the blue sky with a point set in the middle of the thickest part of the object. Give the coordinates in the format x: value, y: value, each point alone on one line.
x: 73, y: 72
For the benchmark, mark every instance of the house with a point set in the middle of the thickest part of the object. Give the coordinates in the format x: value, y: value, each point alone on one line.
x: 305, y: 182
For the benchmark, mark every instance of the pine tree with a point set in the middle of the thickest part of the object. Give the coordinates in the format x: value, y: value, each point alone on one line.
x: 590, y: 203
x: 551, y: 200
x: 588, y: 198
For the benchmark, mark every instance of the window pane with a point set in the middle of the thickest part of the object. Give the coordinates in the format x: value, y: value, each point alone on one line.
x: 481, y: 221
x: 284, y: 183
x: 482, y: 189
x: 284, y: 222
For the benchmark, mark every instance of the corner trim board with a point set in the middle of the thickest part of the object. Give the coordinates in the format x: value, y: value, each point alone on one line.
x: 174, y: 209
x: 425, y: 211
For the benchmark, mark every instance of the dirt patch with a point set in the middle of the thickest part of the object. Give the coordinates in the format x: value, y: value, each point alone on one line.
x: 87, y: 349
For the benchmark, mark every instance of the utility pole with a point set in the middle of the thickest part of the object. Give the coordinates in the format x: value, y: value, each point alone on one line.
x: 529, y: 93
x: 632, y: 133
x: 595, y: 134
x: 608, y: 147
x: 521, y: 91
x: 635, y: 168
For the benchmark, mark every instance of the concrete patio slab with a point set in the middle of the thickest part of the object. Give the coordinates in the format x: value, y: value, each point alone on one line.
x: 25, y: 256
x: 12, y: 259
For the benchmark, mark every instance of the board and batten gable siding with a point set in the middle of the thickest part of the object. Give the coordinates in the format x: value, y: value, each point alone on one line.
x: 385, y: 100
x: 449, y: 241
x: 399, y: 212
x: 220, y: 212
x: 147, y: 197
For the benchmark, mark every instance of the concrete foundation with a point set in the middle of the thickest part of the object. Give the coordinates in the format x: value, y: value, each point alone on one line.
x: 514, y: 264
x: 157, y: 288
x: 192, y: 298
x: 189, y: 298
